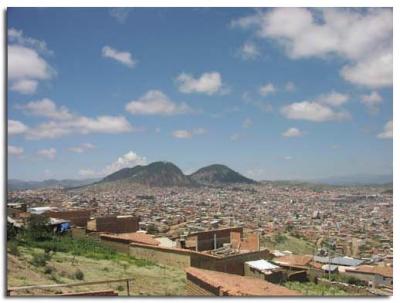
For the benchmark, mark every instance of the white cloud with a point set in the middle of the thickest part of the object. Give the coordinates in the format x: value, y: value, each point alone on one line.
x: 155, y: 102
x: 46, y: 108
x: 362, y: 38
x: 267, y: 89
x: 333, y: 99
x: 129, y: 159
x: 208, y: 83
x: 372, y: 101
x: 387, y: 131
x: 18, y: 37
x: 81, y: 148
x: 26, y: 68
x: 120, y: 56
x: 120, y: 14
x: 24, y: 86
x: 63, y: 122
x: 292, y: 132
x: 15, y: 150
x: 247, y: 123
x: 249, y: 51
x: 313, y: 111
x: 49, y: 153
x: 187, y: 134
x: 16, y: 127
x: 288, y: 158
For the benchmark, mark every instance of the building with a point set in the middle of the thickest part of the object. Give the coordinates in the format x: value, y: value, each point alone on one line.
x: 264, y: 270
x: 114, y: 224
x: 376, y: 276
x: 202, y: 282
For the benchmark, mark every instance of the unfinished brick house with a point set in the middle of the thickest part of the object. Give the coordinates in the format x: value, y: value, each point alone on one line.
x: 78, y: 217
x: 114, y: 224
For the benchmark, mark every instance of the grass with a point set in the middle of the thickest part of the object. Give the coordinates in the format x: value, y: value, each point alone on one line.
x: 312, y: 289
x: 288, y: 242
x: 95, y: 262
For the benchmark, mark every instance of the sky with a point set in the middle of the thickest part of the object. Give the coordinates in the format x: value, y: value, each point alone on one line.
x: 274, y: 93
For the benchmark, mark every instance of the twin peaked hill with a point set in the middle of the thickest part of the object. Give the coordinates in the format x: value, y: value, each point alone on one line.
x: 168, y: 174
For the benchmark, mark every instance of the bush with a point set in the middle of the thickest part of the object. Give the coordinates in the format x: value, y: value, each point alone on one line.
x: 13, y: 248
x: 40, y: 259
x: 79, y: 275
x: 48, y: 270
x: 120, y: 288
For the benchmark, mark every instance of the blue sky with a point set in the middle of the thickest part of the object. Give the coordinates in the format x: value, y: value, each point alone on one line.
x: 272, y: 93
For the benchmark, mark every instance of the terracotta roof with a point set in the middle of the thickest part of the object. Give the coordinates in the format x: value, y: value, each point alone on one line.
x: 235, y: 285
x: 134, y: 237
x: 385, y: 271
x: 293, y: 260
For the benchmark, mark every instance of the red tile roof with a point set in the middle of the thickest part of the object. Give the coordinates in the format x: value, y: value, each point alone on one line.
x: 385, y: 271
x: 293, y: 260
x: 235, y: 285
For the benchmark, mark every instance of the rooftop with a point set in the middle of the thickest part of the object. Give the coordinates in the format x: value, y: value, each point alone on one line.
x: 235, y: 285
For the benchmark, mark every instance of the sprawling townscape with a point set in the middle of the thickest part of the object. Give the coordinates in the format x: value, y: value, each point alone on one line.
x: 355, y: 220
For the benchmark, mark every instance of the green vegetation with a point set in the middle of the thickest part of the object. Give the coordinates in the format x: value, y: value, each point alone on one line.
x: 289, y: 242
x: 312, y: 289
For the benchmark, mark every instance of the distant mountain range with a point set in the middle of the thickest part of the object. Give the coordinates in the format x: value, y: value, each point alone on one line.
x: 164, y: 174
x: 168, y: 174
x: 15, y: 184
x: 355, y: 180
x: 161, y: 174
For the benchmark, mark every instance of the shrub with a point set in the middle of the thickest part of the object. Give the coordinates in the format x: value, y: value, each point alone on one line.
x: 79, y: 275
x: 40, y: 259
x: 48, y: 270
x: 120, y: 288
x: 13, y: 248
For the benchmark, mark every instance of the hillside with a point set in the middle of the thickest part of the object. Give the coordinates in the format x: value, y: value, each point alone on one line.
x: 218, y: 174
x: 154, y: 174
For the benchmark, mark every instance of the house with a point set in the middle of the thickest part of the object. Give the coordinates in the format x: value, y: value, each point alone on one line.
x: 375, y: 275
x: 264, y: 270
x: 202, y: 282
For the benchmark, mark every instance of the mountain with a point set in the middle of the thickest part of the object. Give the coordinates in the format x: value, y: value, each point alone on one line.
x: 154, y: 174
x: 15, y: 184
x: 218, y: 174
x: 356, y: 180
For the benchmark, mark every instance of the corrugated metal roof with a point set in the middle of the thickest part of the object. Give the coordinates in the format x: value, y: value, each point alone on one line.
x: 262, y: 265
x: 344, y: 261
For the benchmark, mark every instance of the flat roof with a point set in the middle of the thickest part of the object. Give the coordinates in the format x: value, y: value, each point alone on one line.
x: 235, y: 285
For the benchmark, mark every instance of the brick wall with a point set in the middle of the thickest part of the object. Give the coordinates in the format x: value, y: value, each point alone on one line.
x: 205, y: 240
x: 77, y: 217
x: 114, y: 224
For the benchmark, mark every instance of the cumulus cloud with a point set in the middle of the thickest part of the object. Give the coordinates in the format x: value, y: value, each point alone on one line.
x: 120, y: 56
x: 155, y: 102
x: 187, y: 134
x: 249, y: 51
x: 208, y: 83
x: 325, y: 107
x: 267, y: 89
x: 333, y: 99
x: 362, y: 38
x: 46, y: 108
x: 81, y: 148
x: 292, y: 132
x: 372, y: 102
x: 387, y: 132
x: 313, y: 111
x: 16, y: 127
x: 129, y: 159
x: 26, y: 68
x: 62, y: 122
x: 25, y: 87
x: 17, y: 36
x: 49, y: 153
x: 15, y: 150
